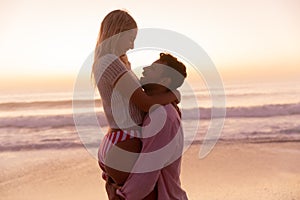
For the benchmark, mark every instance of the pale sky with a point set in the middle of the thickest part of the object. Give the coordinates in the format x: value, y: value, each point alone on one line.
x: 42, y: 39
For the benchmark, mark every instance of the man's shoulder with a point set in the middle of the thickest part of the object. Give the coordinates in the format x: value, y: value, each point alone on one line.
x: 170, y: 108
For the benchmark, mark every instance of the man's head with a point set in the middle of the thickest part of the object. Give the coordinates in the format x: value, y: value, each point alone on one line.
x: 165, y: 73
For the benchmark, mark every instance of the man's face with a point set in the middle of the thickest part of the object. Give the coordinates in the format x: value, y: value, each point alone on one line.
x: 152, y: 74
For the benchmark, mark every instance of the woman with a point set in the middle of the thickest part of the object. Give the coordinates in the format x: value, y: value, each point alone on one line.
x: 115, y: 80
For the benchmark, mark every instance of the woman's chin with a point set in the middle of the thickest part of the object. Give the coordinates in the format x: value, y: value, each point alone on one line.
x: 142, y: 80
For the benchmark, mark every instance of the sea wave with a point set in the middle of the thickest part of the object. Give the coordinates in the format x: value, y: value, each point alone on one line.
x: 67, y: 103
x: 62, y: 120
x: 53, y: 121
x: 45, y: 104
x: 60, y: 144
x: 271, y: 110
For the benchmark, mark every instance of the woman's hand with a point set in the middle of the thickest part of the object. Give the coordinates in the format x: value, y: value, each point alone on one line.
x: 178, y: 95
x: 126, y: 62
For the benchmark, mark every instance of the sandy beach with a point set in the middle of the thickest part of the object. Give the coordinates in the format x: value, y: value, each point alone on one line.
x: 231, y: 171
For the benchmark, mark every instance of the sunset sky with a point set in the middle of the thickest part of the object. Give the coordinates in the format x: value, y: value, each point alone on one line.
x: 43, y: 43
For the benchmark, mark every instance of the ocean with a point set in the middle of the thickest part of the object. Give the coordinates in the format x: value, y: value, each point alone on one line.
x: 255, y: 112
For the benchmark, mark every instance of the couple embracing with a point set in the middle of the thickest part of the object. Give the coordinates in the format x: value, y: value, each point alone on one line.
x: 140, y: 155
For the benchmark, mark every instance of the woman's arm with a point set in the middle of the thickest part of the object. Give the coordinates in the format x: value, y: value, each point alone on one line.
x: 144, y: 102
x: 129, y: 86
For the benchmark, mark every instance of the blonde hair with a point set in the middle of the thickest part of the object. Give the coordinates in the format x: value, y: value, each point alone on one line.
x: 113, y: 23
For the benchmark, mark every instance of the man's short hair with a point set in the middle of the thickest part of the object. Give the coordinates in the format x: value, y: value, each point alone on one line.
x: 176, y: 70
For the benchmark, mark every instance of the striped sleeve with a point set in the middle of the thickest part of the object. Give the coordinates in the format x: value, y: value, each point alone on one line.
x: 112, y: 68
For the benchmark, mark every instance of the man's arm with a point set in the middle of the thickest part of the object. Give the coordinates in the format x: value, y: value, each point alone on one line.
x: 111, y: 191
x: 139, y: 185
x: 156, y: 152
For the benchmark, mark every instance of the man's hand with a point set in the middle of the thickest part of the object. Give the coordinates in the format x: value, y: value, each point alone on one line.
x: 111, y: 191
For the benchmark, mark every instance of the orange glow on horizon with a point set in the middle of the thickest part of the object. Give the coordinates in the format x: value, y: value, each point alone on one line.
x: 44, y: 46
x: 55, y: 83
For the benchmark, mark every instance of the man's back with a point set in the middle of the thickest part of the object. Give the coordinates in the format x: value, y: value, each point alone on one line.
x: 169, y: 185
x: 160, y: 159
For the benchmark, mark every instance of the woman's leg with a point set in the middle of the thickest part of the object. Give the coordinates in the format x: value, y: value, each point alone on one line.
x: 114, y: 158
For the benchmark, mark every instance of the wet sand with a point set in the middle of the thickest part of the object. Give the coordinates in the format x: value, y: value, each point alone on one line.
x: 232, y: 171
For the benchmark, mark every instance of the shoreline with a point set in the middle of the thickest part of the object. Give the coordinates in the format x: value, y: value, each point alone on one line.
x: 231, y: 171
x: 76, y: 146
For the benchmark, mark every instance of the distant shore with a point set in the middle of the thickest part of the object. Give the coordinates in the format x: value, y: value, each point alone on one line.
x: 232, y: 171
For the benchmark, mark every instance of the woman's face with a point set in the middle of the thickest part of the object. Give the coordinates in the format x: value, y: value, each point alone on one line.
x: 126, y: 41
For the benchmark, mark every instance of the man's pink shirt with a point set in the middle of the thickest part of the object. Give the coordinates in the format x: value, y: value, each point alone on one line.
x: 160, y: 159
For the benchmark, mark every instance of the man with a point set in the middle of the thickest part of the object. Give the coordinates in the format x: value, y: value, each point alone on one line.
x: 158, y: 166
